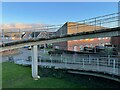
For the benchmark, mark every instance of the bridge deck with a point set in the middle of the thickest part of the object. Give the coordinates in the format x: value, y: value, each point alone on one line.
x: 84, y: 35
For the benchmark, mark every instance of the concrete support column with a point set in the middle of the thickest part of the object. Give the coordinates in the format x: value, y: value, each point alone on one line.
x: 35, y: 62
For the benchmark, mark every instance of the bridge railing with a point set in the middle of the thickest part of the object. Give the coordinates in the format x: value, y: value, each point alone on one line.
x: 97, y: 23
x: 107, y: 64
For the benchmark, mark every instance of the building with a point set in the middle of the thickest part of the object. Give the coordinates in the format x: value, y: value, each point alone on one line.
x: 116, y: 41
x: 78, y: 45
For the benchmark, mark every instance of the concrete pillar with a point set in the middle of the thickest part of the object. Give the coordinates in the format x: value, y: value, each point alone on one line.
x: 35, y: 62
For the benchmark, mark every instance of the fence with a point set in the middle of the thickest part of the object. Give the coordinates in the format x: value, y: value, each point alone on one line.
x: 107, y: 64
x: 97, y: 23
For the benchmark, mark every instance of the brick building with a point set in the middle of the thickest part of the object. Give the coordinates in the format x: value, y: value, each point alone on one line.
x: 77, y: 45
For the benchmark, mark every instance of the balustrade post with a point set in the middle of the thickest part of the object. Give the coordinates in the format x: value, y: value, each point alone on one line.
x: 83, y: 63
x: 113, y: 65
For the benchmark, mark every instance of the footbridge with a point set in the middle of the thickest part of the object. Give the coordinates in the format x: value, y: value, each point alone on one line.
x: 83, y: 35
x: 98, y: 27
x: 103, y: 26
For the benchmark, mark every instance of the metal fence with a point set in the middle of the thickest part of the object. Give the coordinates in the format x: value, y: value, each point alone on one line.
x: 107, y: 64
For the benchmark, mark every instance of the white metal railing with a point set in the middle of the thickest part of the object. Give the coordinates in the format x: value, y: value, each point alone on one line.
x: 97, y: 23
x: 88, y: 62
x: 101, y: 64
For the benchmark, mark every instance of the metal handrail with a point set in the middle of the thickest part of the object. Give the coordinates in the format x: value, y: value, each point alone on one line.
x: 109, y: 65
x: 96, y: 21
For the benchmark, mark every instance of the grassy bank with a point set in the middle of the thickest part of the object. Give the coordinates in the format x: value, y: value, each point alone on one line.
x: 16, y: 76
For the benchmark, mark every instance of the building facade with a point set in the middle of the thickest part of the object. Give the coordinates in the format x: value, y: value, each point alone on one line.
x: 78, y: 45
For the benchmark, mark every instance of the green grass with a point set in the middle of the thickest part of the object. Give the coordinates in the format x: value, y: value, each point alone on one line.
x: 16, y: 76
